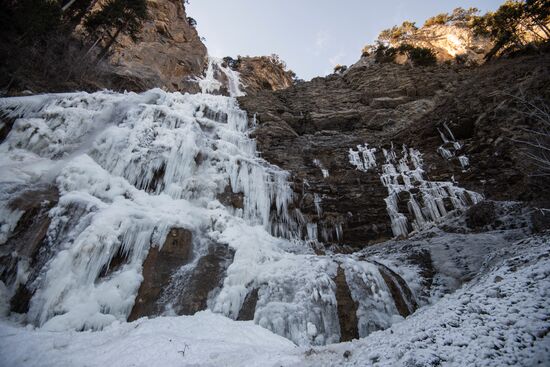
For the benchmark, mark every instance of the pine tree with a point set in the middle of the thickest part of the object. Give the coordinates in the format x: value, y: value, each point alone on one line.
x: 114, y: 18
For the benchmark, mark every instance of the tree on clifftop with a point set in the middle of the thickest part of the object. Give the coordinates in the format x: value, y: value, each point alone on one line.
x: 515, y: 24
x: 114, y: 18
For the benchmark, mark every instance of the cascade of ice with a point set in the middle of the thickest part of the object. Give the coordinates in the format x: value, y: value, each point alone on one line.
x: 211, y: 81
x: 129, y: 167
x: 404, y: 176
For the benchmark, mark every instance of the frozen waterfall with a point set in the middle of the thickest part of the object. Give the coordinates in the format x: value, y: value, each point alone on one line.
x: 129, y: 168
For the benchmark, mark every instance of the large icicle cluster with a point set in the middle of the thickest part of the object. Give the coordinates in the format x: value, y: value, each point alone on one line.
x: 402, y: 174
x: 128, y: 168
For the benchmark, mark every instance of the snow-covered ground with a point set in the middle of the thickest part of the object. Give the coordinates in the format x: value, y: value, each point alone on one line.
x: 500, y: 318
x: 205, y: 339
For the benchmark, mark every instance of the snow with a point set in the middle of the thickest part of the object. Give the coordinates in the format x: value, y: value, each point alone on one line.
x: 205, y: 339
x: 500, y: 318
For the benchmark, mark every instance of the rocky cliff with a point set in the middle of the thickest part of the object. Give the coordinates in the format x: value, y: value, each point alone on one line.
x: 451, y: 41
x: 263, y: 73
x: 465, y: 122
x: 169, y: 53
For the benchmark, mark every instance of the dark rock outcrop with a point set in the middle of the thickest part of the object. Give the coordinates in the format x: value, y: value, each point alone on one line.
x: 168, y: 55
x: 246, y: 313
x: 347, y: 308
x: 400, y: 292
x: 480, y: 215
x: 157, y: 270
x: 205, y: 278
x: 25, y: 242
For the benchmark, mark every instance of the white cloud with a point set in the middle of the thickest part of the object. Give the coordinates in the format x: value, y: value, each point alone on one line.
x: 321, y: 39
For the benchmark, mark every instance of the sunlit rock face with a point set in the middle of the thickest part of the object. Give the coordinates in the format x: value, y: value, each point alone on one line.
x: 450, y: 41
x: 263, y: 73
x: 168, y: 55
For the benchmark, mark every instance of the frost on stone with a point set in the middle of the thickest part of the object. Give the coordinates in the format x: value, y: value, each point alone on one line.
x: 451, y: 147
x: 402, y: 173
x: 363, y: 158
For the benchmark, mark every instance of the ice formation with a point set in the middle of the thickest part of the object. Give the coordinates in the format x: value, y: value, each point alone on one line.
x: 451, y: 147
x: 129, y: 167
x: 403, y: 175
x: 363, y: 158
x: 324, y: 171
x: 210, y: 83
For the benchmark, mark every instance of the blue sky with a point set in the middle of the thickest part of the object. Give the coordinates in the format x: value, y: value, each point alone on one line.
x: 310, y: 35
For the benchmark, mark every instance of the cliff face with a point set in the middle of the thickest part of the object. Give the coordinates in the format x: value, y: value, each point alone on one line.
x: 263, y: 73
x: 449, y: 41
x: 463, y: 121
x: 168, y: 54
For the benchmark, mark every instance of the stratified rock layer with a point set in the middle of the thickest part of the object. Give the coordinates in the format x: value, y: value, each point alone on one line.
x: 309, y: 128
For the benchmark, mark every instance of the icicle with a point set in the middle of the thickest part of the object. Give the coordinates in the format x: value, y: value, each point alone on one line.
x: 324, y: 171
x: 364, y: 158
x: 317, y: 201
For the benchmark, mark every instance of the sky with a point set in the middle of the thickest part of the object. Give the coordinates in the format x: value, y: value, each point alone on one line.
x: 311, y: 36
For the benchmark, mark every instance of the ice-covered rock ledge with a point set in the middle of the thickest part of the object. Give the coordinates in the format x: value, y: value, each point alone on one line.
x: 500, y: 318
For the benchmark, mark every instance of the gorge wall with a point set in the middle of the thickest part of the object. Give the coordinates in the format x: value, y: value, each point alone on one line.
x: 168, y: 55
x: 464, y: 121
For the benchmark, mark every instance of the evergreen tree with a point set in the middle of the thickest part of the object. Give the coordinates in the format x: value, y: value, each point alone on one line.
x: 114, y: 18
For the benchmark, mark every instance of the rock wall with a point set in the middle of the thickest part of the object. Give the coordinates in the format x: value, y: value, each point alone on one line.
x: 450, y: 41
x: 310, y: 128
x: 168, y: 55
x: 263, y: 73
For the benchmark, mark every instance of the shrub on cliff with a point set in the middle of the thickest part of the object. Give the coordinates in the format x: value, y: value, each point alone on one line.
x: 339, y: 69
x: 459, y: 16
x: 384, y: 53
x: 439, y: 19
x: 398, y: 33
x: 419, y: 56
